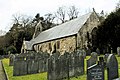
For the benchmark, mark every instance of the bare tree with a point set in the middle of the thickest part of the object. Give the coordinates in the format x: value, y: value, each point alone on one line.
x: 61, y: 13
x: 25, y: 20
x: 49, y: 17
x: 16, y: 18
x: 73, y: 12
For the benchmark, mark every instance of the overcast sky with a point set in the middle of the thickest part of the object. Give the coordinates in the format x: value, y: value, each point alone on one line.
x: 32, y: 7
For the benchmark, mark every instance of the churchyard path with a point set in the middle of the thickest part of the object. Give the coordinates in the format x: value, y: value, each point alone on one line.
x: 2, y: 73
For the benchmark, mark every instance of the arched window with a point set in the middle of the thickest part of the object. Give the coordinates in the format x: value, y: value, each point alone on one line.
x: 94, y: 37
x: 58, y: 45
x: 50, y: 47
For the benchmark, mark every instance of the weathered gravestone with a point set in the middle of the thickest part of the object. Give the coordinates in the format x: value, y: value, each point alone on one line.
x: 58, y: 67
x: 98, y: 51
x: 20, y: 67
x: 93, y: 59
x: 88, y: 51
x: 71, y: 65
x: 112, y: 67
x: 51, y: 68
x: 11, y: 60
x: 96, y: 71
x: 78, y: 64
x: 106, y: 57
x: 118, y: 51
x: 32, y: 65
x: 64, y: 65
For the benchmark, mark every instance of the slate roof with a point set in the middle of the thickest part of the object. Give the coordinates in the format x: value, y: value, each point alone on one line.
x: 66, y: 29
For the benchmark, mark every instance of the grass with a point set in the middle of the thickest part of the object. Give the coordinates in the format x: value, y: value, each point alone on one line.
x: 43, y: 76
x: 9, y: 70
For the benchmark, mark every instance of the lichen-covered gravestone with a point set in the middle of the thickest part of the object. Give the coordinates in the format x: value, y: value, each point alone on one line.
x: 93, y: 59
x: 112, y: 67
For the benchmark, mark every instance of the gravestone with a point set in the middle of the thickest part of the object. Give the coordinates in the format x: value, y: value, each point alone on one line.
x: 112, y: 67
x: 98, y: 51
x: 11, y: 60
x: 88, y: 51
x: 83, y: 53
x: 51, y: 68
x: 118, y: 51
x: 40, y: 65
x: 71, y: 65
x: 78, y: 64
x: 95, y: 72
x: 105, y: 57
x: 93, y: 59
x: 19, y: 68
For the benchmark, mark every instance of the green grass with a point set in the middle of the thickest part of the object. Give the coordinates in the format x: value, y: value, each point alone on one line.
x: 9, y: 70
x: 43, y: 76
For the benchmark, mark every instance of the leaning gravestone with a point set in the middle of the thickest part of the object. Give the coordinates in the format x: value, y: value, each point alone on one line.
x: 93, y: 59
x: 112, y: 67
x: 118, y: 51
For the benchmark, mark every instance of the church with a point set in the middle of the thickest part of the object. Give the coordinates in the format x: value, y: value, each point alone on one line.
x: 69, y: 36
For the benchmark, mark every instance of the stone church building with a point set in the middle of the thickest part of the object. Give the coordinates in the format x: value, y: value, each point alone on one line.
x: 69, y: 36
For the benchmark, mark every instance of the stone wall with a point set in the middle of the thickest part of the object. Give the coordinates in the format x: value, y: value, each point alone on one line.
x: 69, y: 44
x: 87, y: 29
x: 64, y: 44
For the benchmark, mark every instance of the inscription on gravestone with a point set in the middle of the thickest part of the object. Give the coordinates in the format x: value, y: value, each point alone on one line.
x: 95, y: 72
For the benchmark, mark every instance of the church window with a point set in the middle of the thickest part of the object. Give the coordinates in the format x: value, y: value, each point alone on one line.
x: 58, y: 44
x: 50, y: 47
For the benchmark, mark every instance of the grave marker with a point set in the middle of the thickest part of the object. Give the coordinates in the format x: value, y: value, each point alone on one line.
x: 112, y: 67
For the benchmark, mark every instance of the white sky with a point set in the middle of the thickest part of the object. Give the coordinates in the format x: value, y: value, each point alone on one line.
x: 32, y: 7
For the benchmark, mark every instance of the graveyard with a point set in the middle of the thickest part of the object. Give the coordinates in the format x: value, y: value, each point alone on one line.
x: 44, y: 75
x: 63, y: 45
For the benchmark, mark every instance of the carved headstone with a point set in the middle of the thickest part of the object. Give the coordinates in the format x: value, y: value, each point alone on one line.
x: 112, y: 67
x: 95, y: 72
